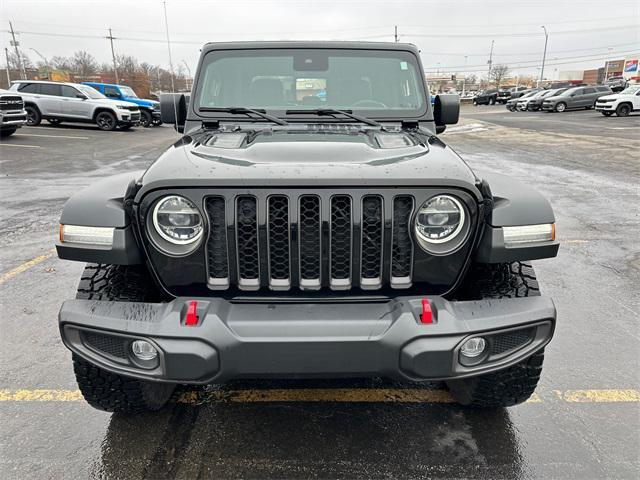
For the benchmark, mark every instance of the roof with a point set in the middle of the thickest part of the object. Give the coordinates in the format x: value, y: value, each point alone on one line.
x: 335, y: 44
x: 46, y: 81
x: 105, y: 84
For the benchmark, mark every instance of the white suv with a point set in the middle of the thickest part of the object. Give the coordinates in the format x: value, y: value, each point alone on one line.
x: 73, y: 102
x: 622, y: 103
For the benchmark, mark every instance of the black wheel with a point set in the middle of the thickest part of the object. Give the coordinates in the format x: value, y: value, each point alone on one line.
x: 623, y: 110
x: 54, y: 121
x: 106, y: 121
x: 6, y: 132
x: 146, y: 118
x: 561, y: 107
x: 514, y: 384
x: 607, y: 114
x: 492, y: 101
x: 34, y: 117
x: 102, y: 389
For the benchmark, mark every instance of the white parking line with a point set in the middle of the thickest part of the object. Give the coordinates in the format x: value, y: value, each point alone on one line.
x: 49, y: 136
x: 20, y: 146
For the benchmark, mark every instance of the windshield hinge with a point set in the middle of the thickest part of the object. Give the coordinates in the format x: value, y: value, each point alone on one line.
x: 410, y: 124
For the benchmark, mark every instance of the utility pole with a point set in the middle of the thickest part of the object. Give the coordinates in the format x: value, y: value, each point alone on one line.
x: 395, y: 35
x: 113, y: 55
x: 544, y: 55
x: 464, y: 78
x: 490, y: 62
x: 15, y: 45
x: 166, y: 26
x: 6, y: 54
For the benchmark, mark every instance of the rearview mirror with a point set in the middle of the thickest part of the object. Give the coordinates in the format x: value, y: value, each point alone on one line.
x: 173, y: 109
x: 446, y: 111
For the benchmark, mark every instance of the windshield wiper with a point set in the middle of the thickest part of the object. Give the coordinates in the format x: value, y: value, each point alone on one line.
x: 245, y: 111
x: 333, y: 112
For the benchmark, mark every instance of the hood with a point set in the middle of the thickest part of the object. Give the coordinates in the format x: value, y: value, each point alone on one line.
x: 308, y: 156
x: 143, y: 102
x: 552, y: 99
x: 614, y: 96
x: 110, y: 101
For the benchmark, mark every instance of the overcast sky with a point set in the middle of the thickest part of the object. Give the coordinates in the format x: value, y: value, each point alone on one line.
x: 582, y: 33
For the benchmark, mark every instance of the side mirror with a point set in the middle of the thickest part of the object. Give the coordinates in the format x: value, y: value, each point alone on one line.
x: 173, y: 109
x: 446, y: 111
x: 81, y: 96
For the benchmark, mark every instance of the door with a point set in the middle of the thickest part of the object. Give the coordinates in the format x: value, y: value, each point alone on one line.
x: 112, y: 92
x: 636, y: 100
x: 49, y: 99
x: 589, y: 97
x: 75, y: 103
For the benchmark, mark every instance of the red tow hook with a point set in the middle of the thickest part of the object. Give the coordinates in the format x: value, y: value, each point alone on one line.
x: 191, y: 319
x: 427, y: 314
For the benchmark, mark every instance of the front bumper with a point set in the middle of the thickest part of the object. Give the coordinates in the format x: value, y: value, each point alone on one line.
x: 548, y: 107
x: 306, y: 340
x: 13, y: 119
x: 606, y: 107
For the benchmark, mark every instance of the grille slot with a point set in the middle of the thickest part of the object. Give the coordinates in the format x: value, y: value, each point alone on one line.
x: 372, y: 241
x: 247, y: 241
x: 310, y: 241
x: 217, y: 253
x: 402, y: 245
x: 11, y: 103
x: 504, y: 342
x: 340, y: 242
x: 279, y: 242
x: 108, y: 344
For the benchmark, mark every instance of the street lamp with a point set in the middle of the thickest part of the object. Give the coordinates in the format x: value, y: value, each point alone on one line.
x: 544, y: 55
x: 46, y: 63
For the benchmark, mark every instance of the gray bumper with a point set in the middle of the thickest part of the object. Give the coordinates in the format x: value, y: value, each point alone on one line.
x: 261, y: 340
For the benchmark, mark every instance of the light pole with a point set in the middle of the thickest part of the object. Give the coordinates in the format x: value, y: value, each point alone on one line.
x: 46, y: 63
x: 544, y: 55
x: 464, y: 78
x: 490, y: 62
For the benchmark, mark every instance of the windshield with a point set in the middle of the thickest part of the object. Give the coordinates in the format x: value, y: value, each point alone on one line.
x: 128, y: 92
x: 630, y: 90
x: 378, y: 83
x: 89, y: 91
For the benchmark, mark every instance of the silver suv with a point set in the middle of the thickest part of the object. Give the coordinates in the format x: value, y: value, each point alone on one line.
x: 12, y: 114
x: 577, y: 97
x: 74, y: 102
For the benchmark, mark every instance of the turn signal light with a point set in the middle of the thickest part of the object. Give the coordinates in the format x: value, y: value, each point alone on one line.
x: 191, y: 319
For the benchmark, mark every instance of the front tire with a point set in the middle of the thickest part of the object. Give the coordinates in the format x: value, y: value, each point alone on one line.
x: 561, y: 107
x: 34, y: 117
x: 146, y: 119
x: 514, y: 384
x: 102, y: 389
x: 623, y: 110
x: 106, y: 121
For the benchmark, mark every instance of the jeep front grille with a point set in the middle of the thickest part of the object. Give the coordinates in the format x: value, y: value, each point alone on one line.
x: 309, y: 241
x: 11, y: 103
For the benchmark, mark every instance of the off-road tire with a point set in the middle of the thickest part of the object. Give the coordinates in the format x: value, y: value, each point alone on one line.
x: 514, y: 384
x: 34, y: 117
x: 623, y: 110
x: 102, y: 389
x: 146, y: 118
x: 7, y: 132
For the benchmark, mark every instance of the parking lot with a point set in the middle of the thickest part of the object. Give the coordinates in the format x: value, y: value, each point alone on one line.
x: 584, y: 421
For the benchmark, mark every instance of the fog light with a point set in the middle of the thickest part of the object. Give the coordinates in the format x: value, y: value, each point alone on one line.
x: 143, y: 350
x: 473, y: 347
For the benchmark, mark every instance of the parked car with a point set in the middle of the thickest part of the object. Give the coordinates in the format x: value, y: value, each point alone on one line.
x: 511, y: 105
x: 622, y: 103
x: 149, y: 109
x: 577, y: 97
x: 377, y: 253
x: 523, y: 102
x: 12, y: 113
x: 504, y: 94
x: 517, y: 92
x: 57, y: 102
x: 535, y: 103
x: 617, y: 83
x: 486, y: 97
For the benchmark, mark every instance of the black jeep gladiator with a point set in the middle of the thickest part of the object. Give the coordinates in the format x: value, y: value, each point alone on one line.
x: 309, y: 223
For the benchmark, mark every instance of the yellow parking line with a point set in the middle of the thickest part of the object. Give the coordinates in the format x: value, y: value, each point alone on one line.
x: 26, y: 266
x: 19, y: 146
x: 49, y: 136
x: 598, y: 396
x: 339, y: 395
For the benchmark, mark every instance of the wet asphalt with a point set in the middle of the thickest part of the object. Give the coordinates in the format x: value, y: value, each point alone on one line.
x: 590, y: 171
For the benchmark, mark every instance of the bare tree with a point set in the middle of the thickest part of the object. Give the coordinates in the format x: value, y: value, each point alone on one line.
x: 84, y: 64
x: 499, y: 73
x: 61, y: 63
x: 127, y: 65
x: 15, y: 65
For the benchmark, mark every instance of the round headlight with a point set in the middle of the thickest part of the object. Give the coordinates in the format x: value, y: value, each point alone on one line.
x: 439, y: 222
x: 177, y: 220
